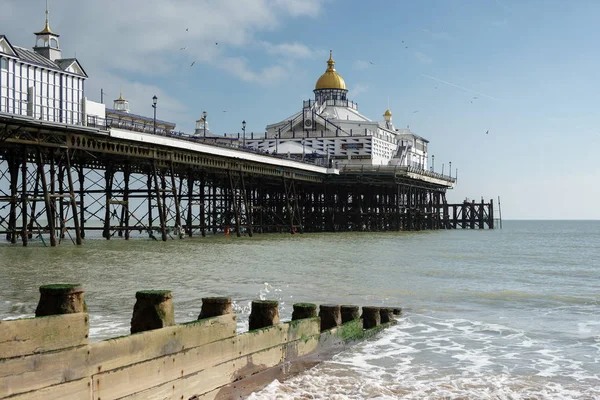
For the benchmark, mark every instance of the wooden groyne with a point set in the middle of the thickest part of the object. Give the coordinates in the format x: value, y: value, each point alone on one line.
x: 50, y: 357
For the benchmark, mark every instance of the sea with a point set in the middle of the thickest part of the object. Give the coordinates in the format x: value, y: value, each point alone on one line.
x: 511, y: 313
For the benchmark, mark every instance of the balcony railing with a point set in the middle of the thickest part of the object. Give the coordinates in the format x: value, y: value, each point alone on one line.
x: 395, y: 169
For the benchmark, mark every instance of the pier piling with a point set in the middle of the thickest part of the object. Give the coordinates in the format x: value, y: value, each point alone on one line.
x: 386, y: 314
x: 153, y: 310
x: 371, y: 317
x: 215, y: 306
x: 331, y: 316
x: 349, y: 313
x: 264, y: 313
x: 304, y: 310
x: 67, y: 298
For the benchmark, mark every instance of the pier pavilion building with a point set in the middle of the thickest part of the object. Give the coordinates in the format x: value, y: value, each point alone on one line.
x: 39, y: 82
x: 330, y: 127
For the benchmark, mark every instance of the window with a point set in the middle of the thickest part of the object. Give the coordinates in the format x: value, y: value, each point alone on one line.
x: 4, y: 64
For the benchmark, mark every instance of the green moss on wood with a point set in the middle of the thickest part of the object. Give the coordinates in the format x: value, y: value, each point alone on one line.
x: 60, y: 287
x: 305, y: 305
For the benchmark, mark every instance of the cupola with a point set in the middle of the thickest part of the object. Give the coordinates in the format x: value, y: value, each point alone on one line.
x: 121, y: 104
x: 46, y: 41
x: 330, y: 79
x: 330, y: 86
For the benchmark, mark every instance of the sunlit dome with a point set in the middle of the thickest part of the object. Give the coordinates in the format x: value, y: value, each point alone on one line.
x: 387, y: 113
x: 330, y: 79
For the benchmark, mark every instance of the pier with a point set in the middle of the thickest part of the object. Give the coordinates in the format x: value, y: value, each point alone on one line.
x: 56, y: 178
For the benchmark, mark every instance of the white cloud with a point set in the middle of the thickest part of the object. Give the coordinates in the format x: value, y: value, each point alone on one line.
x: 360, y: 64
x: 288, y: 50
x: 424, y: 58
x: 440, y: 35
x: 357, y: 89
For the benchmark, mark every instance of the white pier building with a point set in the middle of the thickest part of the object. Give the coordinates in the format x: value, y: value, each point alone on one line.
x: 40, y: 83
x: 331, y: 128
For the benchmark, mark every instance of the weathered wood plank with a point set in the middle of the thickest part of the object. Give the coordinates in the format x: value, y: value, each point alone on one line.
x: 137, y: 377
x: 303, y: 328
x: 26, y: 373
x: 76, y: 390
x: 126, y: 350
x: 206, y: 381
x: 37, y: 335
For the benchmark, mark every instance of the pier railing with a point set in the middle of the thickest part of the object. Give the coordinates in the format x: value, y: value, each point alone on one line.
x: 383, y: 169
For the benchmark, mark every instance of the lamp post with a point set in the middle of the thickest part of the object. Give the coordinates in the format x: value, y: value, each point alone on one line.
x: 450, y: 168
x: 154, y: 101
x: 244, y: 131
x: 432, y: 163
x: 204, y: 117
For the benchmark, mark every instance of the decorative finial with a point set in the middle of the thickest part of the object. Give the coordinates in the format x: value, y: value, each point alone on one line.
x: 330, y: 62
x: 47, y: 29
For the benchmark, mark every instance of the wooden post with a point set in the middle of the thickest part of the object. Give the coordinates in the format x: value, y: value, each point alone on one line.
x: 13, y: 167
x: 108, y: 180
x: 176, y: 200
x: 150, y: 218
x: 53, y: 189
x: 491, y: 215
x: 125, y: 206
x: 481, y: 213
x: 24, y: 233
x: 159, y: 206
x: 202, y: 201
x: 246, y: 206
x: 190, y: 202
x: 73, y: 203
x: 81, y: 177
x: 49, y: 214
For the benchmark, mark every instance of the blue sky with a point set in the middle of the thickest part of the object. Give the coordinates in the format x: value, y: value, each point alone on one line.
x: 527, y: 71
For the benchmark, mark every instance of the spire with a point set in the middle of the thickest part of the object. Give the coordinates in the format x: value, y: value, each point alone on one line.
x: 47, y: 30
x: 330, y: 62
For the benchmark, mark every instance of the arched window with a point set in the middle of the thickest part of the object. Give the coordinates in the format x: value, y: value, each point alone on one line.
x: 54, y: 43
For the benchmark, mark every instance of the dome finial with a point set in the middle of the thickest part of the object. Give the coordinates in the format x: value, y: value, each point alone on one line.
x: 121, y: 94
x: 330, y: 62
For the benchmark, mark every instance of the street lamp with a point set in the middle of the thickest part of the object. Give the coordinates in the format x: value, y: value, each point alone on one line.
x: 244, y: 130
x: 154, y: 101
x: 432, y: 163
x: 450, y: 168
x: 204, y: 117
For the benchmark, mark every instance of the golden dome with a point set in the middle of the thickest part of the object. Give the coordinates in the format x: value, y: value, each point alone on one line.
x: 330, y: 79
x: 387, y: 113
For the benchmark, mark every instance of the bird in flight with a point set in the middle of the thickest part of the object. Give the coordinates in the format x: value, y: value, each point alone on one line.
x: 415, y: 111
x: 183, y: 48
x: 216, y: 43
x: 192, y: 64
x: 488, y: 131
x: 187, y: 29
x: 371, y: 62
